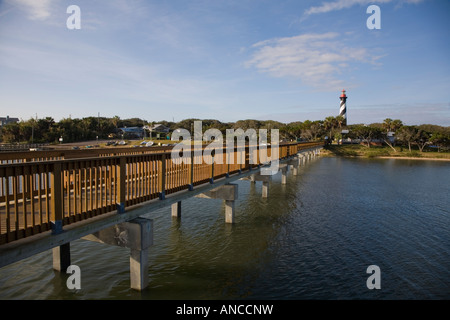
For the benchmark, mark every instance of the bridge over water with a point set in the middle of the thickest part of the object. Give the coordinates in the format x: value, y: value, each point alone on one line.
x: 48, y: 199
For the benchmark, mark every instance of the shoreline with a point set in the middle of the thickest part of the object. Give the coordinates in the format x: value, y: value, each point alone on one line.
x: 412, y: 158
x: 387, y: 157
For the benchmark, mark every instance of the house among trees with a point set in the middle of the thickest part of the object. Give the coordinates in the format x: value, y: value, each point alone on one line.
x: 131, y: 132
x: 158, y: 130
x: 7, y: 120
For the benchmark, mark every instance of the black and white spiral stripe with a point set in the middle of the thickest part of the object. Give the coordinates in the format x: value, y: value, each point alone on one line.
x: 343, y: 109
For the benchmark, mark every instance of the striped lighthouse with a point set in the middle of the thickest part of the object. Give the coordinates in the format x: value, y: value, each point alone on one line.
x: 343, y: 107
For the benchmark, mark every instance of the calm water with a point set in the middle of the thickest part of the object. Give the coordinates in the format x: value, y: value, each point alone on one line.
x: 311, y: 239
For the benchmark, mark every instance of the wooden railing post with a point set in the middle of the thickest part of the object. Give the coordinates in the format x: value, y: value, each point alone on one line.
x: 247, y: 157
x: 121, y: 185
x: 211, y: 179
x: 162, y: 177
x: 191, y: 172
x: 228, y: 157
x: 57, y: 209
x: 241, y: 158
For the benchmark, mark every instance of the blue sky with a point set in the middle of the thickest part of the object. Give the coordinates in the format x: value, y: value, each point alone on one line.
x: 226, y: 60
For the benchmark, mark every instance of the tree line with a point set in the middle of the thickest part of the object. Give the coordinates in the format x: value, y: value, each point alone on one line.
x: 47, y: 130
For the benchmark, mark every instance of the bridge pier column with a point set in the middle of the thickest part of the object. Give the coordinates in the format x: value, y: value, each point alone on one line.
x: 176, y: 210
x: 228, y: 193
x: 229, y: 211
x: 283, y: 169
x: 295, y: 163
x: 265, y: 189
x: 137, y: 235
x: 61, y: 257
x: 265, y: 182
x: 138, y: 269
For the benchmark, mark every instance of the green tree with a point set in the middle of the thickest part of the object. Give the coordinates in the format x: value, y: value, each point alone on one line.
x: 367, y: 133
x: 340, y: 120
x: 115, y: 122
x: 440, y: 139
x: 330, y: 124
x: 11, y: 133
x: 248, y: 124
x: 422, y: 139
x: 70, y: 129
x: 389, y: 126
x: 294, y: 129
x: 311, y: 130
x: 407, y: 134
x: 25, y: 130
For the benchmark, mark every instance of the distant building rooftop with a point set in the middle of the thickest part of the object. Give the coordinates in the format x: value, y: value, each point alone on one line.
x: 5, y: 121
x: 159, y: 128
x: 132, y: 131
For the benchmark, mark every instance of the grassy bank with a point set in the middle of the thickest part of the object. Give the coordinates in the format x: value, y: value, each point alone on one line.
x: 355, y: 150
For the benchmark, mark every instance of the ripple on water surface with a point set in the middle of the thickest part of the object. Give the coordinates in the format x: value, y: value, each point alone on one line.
x: 313, y: 238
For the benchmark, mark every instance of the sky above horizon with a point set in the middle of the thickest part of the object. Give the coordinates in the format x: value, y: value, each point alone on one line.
x: 284, y: 60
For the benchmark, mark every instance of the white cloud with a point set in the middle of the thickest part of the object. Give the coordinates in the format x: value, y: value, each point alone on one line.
x: 344, y: 4
x: 316, y: 59
x: 36, y: 9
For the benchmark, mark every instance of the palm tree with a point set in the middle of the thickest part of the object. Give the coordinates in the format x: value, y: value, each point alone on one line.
x: 115, y: 121
x: 387, y: 124
x: 340, y: 120
x: 330, y: 124
x: 392, y: 125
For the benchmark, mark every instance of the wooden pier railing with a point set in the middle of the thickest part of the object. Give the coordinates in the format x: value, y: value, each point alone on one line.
x: 47, y: 155
x: 38, y: 196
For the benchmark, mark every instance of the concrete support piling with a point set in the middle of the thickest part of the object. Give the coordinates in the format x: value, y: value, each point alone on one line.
x: 265, y: 189
x: 61, y: 257
x: 176, y: 210
x: 139, y: 269
x: 295, y: 163
x: 137, y: 235
x: 228, y: 193
x: 265, y: 182
x: 283, y: 169
x: 229, y: 211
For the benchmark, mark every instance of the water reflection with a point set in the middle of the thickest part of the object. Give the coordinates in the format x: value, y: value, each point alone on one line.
x: 313, y: 238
